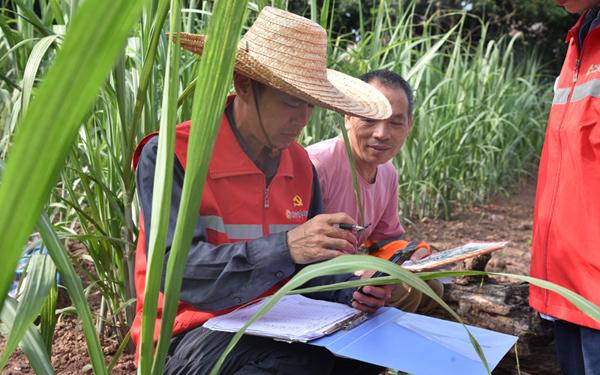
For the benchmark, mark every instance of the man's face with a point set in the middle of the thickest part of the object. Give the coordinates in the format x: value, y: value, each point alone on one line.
x: 283, y: 117
x: 577, y: 6
x: 375, y: 142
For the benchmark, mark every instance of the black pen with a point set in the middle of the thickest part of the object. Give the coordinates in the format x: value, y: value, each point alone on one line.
x: 352, y: 227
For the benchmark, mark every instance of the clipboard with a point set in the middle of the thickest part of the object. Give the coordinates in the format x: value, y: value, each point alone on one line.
x: 294, y: 318
x: 457, y: 254
x: 346, y: 324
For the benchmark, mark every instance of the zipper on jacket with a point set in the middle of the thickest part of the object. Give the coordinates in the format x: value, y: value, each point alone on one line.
x: 576, y: 73
x: 266, y: 198
x: 555, y: 192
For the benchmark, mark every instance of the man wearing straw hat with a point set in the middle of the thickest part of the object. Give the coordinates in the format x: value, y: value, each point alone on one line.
x: 259, y: 218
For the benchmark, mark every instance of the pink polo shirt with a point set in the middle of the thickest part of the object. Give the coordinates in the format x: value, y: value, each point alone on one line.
x: 380, y: 199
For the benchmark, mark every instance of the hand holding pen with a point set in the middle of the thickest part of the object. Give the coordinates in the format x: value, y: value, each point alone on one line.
x: 358, y: 230
x: 320, y: 239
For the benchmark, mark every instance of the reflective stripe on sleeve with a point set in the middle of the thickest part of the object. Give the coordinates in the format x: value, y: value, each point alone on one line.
x: 561, y: 96
x: 590, y: 88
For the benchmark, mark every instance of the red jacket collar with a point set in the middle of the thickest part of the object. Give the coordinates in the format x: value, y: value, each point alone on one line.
x: 573, y: 32
x: 228, y: 158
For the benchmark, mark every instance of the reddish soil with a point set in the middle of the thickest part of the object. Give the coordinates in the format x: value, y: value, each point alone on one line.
x: 69, y: 354
x: 501, y: 219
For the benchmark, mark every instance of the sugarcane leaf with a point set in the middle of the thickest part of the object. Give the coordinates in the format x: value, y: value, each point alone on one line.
x: 359, y: 202
x: 214, y: 71
x: 32, y: 343
x: 39, y: 277
x: 48, y: 317
x: 161, y: 195
x: 96, y: 34
x: 72, y: 282
x: 33, y: 63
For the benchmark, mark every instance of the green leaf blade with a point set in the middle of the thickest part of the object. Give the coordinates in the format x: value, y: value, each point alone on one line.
x: 89, y: 50
x: 39, y: 278
x: 214, y: 71
x: 32, y: 343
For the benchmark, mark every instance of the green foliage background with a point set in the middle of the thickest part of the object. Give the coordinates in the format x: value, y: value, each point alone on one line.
x: 541, y: 23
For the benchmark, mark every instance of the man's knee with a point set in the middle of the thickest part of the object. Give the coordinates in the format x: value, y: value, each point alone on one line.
x: 409, y: 299
x: 289, y: 359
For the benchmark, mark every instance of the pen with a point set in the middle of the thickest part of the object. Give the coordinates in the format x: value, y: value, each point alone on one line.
x: 352, y: 227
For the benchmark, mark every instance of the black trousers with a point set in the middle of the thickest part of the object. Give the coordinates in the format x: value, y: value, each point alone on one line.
x: 196, y: 351
x: 577, y: 348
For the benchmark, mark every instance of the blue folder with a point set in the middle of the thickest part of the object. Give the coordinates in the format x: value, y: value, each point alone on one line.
x: 417, y: 344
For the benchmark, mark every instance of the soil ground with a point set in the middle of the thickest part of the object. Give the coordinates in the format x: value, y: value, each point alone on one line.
x: 501, y: 219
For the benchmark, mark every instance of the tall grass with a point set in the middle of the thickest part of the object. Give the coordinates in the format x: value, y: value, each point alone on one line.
x: 48, y: 125
x: 93, y: 202
x: 82, y: 82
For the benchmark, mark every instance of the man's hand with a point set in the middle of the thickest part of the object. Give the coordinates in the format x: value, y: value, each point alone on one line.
x: 318, y: 239
x: 419, y: 254
x: 372, y: 297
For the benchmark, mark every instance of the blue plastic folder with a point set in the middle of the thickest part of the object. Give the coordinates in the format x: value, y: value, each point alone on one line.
x: 417, y: 344
x: 390, y: 337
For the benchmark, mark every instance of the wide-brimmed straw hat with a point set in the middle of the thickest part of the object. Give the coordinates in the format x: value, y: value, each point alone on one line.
x: 289, y: 53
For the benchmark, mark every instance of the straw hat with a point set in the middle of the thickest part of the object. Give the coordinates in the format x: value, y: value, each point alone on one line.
x: 289, y: 53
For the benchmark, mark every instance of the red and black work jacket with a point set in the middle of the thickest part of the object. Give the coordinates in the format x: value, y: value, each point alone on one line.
x: 566, y: 233
x: 236, y: 205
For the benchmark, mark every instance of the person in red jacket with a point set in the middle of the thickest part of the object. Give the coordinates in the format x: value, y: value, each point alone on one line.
x: 259, y: 219
x: 566, y: 240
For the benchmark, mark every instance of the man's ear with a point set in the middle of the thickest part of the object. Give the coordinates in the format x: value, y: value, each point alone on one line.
x: 347, y: 122
x: 243, y: 86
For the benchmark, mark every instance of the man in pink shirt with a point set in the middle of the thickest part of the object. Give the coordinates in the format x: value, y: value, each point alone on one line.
x: 373, y: 145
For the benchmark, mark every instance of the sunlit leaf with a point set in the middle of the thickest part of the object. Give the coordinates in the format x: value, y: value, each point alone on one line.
x: 32, y: 343
x: 39, y: 277
x: 214, y: 71
x: 96, y: 35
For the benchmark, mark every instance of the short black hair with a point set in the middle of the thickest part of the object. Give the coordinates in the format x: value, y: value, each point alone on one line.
x: 390, y: 79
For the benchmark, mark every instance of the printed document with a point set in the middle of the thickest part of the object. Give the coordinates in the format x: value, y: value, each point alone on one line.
x: 293, y: 318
